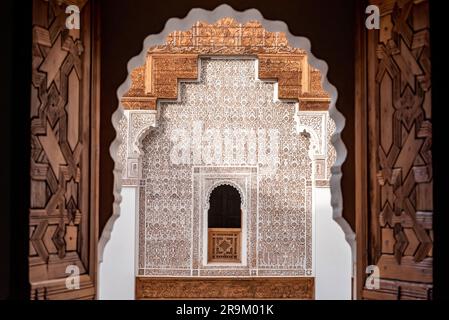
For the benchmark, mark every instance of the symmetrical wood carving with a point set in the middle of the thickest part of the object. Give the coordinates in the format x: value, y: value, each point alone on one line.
x: 178, y: 59
x: 400, y: 140
x: 62, y: 227
x: 224, y: 245
x: 225, y: 288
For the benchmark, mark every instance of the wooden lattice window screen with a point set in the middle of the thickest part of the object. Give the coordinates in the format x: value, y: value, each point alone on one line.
x: 224, y: 245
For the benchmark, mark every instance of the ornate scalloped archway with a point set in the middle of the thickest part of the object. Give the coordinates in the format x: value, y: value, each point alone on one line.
x: 155, y: 74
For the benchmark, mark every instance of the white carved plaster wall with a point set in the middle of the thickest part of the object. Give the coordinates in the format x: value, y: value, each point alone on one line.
x: 228, y: 96
x: 242, y: 17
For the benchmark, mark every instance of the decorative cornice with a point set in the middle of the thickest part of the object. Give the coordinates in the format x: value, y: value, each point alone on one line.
x: 177, y: 59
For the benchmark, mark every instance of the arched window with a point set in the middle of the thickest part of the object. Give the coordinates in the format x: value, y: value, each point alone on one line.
x: 224, y: 225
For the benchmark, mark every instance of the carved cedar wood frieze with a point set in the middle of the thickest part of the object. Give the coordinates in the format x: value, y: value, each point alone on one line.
x: 225, y: 288
x: 178, y: 59
x: 172, y: 194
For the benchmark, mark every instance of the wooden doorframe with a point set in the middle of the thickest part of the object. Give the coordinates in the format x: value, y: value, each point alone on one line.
x: 361, y: 150
x: 95, y: 85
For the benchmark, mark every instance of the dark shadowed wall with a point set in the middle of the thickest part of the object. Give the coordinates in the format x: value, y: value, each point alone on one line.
x: 15, y: 60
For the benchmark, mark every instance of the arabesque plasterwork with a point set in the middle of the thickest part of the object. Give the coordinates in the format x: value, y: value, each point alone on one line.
x: 259, y: 82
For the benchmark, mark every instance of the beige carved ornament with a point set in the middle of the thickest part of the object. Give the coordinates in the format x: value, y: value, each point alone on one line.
x: 178, y: 58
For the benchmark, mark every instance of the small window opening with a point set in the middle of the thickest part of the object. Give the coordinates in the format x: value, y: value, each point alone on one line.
x: 224, y: 225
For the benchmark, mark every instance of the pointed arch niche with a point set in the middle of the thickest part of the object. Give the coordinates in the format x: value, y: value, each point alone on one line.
x: 225, y: 70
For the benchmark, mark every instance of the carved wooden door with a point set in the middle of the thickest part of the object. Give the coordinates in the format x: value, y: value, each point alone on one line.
x: 400, y: 208
x: 63, y: 192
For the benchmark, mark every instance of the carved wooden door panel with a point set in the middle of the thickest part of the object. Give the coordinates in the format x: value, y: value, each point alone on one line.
x: 399, y: 152
x: 62, y: 223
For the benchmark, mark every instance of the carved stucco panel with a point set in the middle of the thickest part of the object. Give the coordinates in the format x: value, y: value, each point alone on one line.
x: 228, y: 96
x: 246, y: 108
x: 133, y: 126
